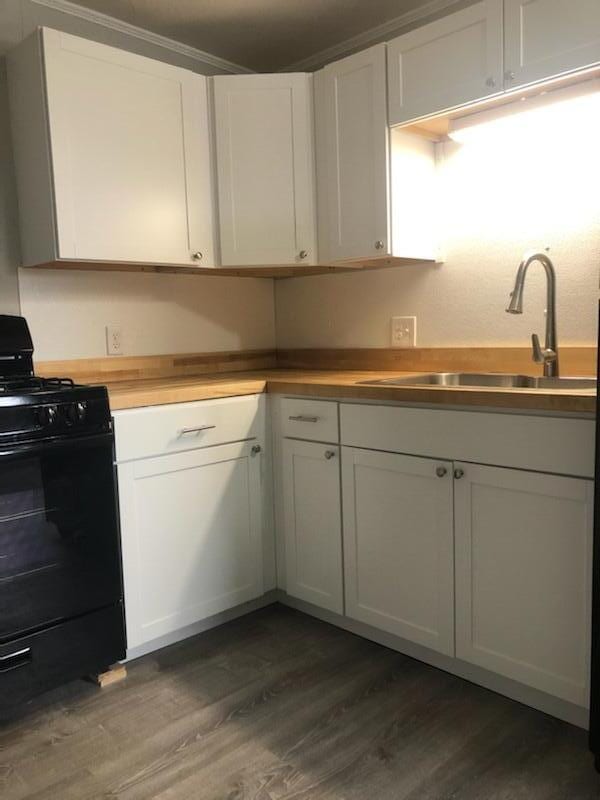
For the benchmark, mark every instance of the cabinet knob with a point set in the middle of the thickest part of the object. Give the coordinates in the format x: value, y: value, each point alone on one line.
x: 379, y: 244
x: 303, y: 254
x: 458, y: 473
x: 197, y: 256
x: 256, y: 449
x: 329, y: 454
x: 490, y: 82
x: 441, y: 472
x: 509, y: 75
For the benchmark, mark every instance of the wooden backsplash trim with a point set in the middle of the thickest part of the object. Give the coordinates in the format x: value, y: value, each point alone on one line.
x: 131, y: 368
x: 574, y: 360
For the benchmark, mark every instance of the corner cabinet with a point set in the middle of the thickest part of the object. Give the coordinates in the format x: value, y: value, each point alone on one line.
x: 399, y: 546
x: 265, y: 169
x: 313, y: 523
x: 523, y: 577
x: 448, y: 63
x: 549, y: 37
x: 112, y: 155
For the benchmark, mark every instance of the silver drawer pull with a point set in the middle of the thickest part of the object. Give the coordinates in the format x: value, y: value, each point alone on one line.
x: 199, y: 429
x: 302, y: 418
x: 16, y: 654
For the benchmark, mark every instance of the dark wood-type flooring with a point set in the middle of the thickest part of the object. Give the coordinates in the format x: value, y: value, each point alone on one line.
x: 279, y: 705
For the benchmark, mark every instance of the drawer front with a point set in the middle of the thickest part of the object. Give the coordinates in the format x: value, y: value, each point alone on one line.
x: 145, y: 432
x: 70, y: 650
x: 543, y: 444
x: 316, y: 420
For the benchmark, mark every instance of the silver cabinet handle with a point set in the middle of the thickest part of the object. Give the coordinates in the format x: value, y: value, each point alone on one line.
x: 329, y: 454
x: 378, y: 245
x: 303, y: 254
x: 199, y: 429
x: 256, y: 449
x: 509, y: 75
x: 197, y: 256
x: 441, y: 472
x: 302, y: 418
x: 490, y: 82
x: 24, y: 652
x: 459, y: 473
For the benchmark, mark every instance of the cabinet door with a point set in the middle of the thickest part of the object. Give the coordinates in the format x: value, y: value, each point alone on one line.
x: 265, y: 167
x: 398, y: 545
x: 523, y: 577
x: 312, y: 523
x: 352, y: 157
x: 130, y: 155
x: 544, y: 38
x: 191, y: 534
x: 450, y: 62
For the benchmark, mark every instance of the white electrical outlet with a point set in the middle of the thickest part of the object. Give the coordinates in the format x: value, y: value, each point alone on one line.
x: 114, y: 340
x: 404, y: 331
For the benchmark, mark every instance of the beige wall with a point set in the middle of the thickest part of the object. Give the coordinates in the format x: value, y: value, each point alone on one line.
x: 68, y: 311
x: 529, y: 184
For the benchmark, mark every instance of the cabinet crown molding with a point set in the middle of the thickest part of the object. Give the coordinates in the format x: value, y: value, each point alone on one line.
x: 379, y: 33
x: 106, y: 21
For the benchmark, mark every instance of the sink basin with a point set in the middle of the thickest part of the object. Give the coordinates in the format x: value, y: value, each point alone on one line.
x: 486, y: 379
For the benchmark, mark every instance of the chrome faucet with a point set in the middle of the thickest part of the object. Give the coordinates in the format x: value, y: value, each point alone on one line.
x: 549, y: 355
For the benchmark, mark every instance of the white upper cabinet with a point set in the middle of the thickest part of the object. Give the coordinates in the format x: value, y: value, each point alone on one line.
x: 265, y: 168
x: 353, y: 157
x: 545, y: 38
x: 375, y: 187
x: 112, y: 153
x: 450, y: 62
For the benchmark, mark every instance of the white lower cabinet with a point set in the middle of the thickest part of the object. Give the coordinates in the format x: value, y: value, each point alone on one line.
x: 191, y: 530
x: 398, y: 545
x: 312, y: 523
x: 523, y: 577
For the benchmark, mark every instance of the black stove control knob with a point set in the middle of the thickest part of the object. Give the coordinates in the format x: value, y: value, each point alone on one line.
x: 75, y: 413
x: 46, y: 415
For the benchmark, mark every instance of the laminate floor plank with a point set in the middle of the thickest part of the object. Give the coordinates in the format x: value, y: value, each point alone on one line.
x: 280, y: 706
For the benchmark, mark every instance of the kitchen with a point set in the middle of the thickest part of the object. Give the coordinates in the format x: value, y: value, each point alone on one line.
x: 350, y: 497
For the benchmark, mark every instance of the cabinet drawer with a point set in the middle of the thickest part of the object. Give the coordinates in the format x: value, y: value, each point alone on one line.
x: 310, y: 419
x: 542, y: 444
x: 144, y: 432
x: 64, y: 652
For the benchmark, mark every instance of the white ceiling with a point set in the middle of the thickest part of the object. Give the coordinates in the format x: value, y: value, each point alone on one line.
x: 264, y: 35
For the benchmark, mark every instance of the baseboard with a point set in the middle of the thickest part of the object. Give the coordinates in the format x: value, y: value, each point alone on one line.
x: 204, y: 625
x: 555, y: 707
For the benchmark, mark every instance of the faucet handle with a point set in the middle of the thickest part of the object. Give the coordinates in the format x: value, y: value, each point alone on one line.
x: 538, y: 356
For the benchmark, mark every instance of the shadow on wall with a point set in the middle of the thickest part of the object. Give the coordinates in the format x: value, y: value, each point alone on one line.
x: 9, y: 233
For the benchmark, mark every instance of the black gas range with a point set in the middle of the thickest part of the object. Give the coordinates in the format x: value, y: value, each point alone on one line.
x: 61, y: 597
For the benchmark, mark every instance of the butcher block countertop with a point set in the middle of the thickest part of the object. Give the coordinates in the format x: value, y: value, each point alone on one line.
x: 343, y: 384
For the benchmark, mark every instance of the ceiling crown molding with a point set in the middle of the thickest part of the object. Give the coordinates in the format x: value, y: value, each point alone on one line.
x: 372, y: 36
x: 156, y: 39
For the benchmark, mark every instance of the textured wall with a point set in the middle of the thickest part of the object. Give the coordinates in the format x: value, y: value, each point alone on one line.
x: 527, y: 182
x: 67, y: 312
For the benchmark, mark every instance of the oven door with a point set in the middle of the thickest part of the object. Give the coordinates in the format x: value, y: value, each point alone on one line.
x: 59, y: 537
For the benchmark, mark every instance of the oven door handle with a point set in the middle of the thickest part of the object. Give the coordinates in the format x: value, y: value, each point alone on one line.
x: 48, y: 446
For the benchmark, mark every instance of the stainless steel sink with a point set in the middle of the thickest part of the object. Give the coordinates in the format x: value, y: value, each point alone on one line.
x: 486, y: 379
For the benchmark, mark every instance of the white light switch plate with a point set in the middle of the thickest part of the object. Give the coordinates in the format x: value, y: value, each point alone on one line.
x: 114, y: 340
x: 404, y: 331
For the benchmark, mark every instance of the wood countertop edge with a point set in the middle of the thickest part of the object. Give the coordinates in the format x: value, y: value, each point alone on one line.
x: 346, y: 386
